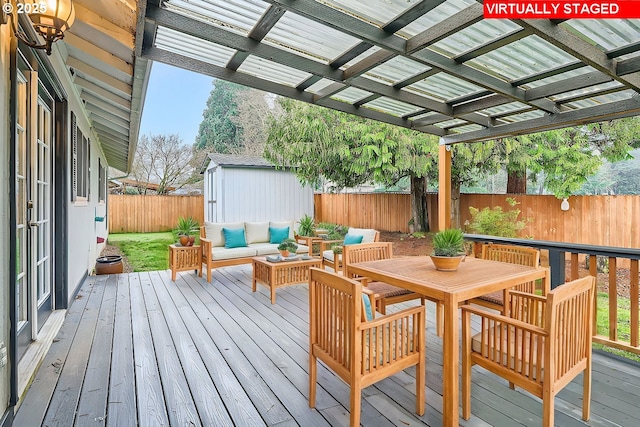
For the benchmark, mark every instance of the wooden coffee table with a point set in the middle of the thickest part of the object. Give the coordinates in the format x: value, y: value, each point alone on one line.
x: 183, y: 258
x: 283, y: 273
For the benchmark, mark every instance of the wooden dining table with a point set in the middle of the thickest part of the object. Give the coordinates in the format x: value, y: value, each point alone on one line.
x: 474, y: 277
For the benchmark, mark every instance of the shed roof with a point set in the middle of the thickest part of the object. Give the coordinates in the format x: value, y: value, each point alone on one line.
x: 240, y: 161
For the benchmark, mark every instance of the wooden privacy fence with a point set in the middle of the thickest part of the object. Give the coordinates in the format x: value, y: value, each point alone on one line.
x: 148, y: 214
x: 595, y: 220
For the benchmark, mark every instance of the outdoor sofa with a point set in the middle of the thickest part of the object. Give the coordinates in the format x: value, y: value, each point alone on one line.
x: 260, y: 238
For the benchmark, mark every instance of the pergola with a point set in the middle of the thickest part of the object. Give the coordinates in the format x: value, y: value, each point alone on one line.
x: 431, y: 65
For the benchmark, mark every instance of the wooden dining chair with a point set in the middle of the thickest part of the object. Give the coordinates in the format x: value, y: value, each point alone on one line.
x: 541, y: 345
x: 384, y: 293
x: 361, y: 351
x: 359, y: 235
x: 515, y: 255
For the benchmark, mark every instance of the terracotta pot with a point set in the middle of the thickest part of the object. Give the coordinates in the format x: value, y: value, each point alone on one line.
x: 446, y: 263
x: 285, y: 253
x: 192, y: 240
x: 184, y: 239
x: 111, y: 264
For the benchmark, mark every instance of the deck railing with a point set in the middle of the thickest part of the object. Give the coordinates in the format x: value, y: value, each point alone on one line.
x: 618, y: 259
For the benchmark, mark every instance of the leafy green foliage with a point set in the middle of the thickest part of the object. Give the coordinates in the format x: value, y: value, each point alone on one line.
x: 495, y: 221
x: 288, y: 245
x: 307, y: 226
x: 449, y: 242
x: 324, y: 144
x: 187, y: 226
x: 217, y: 130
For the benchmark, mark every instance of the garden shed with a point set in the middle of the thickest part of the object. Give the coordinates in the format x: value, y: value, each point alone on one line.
x: 249, y: 188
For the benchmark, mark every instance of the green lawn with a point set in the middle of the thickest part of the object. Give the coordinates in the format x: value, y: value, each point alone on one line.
x: 624, y: 324
x: 145, y: 251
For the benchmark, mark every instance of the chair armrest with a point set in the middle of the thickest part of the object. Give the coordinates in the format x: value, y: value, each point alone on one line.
x: 206, y: 247
x: 328, y: 244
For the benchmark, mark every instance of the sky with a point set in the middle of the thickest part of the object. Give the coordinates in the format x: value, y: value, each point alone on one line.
x: 175, y: 101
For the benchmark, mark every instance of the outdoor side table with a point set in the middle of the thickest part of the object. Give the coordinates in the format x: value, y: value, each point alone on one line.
x: 183, y: 258
x: 283, y: 273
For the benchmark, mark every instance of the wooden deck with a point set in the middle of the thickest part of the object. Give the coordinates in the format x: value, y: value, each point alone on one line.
x: 138, y: 349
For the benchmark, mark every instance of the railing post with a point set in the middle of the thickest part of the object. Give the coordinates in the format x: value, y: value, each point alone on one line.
x: 556, y: 262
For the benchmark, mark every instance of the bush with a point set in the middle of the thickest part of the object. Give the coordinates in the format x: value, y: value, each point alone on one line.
x: 496, y: 222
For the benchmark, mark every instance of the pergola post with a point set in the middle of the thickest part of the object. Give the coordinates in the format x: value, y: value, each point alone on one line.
x: 444, y: 187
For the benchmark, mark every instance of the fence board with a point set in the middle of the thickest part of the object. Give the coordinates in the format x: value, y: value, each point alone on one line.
x: 595, y: 220
x: 149, y: 214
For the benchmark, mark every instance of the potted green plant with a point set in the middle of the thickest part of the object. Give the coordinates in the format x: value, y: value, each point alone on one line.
x: 307, y: 226
x: 187, y: 226
x: 448, y: 249
x: 287, y: 247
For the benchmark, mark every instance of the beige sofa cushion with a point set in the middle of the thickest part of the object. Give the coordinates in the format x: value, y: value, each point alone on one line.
x: 219, y: 253
x: 368, y: 234
x: 257, y: 232
x: 213, y: 230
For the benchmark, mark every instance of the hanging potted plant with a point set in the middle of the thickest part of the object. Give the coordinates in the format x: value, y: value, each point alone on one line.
x: 186, y: 227
x: 448, y: 249
x: 287, y: 247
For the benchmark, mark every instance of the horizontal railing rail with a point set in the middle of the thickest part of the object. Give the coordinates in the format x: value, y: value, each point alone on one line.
x: 558, y: 253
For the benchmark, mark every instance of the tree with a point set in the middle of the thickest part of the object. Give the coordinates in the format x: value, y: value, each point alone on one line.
x: 217, y: 131
x: 162, y: 160
x: 348, y: 151
x: 255, y: 107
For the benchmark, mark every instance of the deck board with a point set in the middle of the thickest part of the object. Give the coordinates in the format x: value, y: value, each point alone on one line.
x: 140, y: 349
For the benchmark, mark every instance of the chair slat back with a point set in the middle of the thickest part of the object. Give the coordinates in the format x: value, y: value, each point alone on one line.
x: 514, y: 255
x: 364, y: 252
x: 569, y: 321
x: 335, y: 305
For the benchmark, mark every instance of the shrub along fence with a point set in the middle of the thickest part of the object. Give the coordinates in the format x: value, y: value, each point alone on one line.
x: 149, y: 214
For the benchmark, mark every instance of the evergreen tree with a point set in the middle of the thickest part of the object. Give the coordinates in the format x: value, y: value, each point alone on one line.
x: 218, y: 132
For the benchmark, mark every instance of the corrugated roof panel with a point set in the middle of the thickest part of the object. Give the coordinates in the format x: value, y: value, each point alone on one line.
x: 391, y: 106
x: 351, y: 95
x: 443, y: 86
x: 236, y: 15
x: 436, y: 15
x: 467, y: 128
x: 602, y: 99
x: 522, y: 58
x: 193, y: 47
x: 360, y: 57
x: 473, y: 36
x: 302, y: 35
x: 558, y: 77
x: 378, y: 13
x: 449, y: 123
x: 606, y: 33
x: 319, y: 85
x: 272, y: 71
x: 529, y: 115
x: 586, y: 91
x: 396, y: 70
x: 504, y: 109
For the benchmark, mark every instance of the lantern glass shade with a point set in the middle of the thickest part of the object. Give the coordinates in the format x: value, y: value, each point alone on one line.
x: 54, y: 19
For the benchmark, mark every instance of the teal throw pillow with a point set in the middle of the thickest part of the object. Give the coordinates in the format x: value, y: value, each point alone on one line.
x: 277, y: 235
x: 352, y: 239
x: 366, y: 304
x: 234, y: 238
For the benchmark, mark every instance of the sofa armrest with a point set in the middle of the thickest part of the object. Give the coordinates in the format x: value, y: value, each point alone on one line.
x: 328, y: 244
x: 206, y: 248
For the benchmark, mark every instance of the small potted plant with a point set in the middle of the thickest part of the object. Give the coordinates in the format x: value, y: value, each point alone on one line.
x: 287, y: 247
x: 187, y: 226
x: 448, y: 249
x: 307, y: 226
